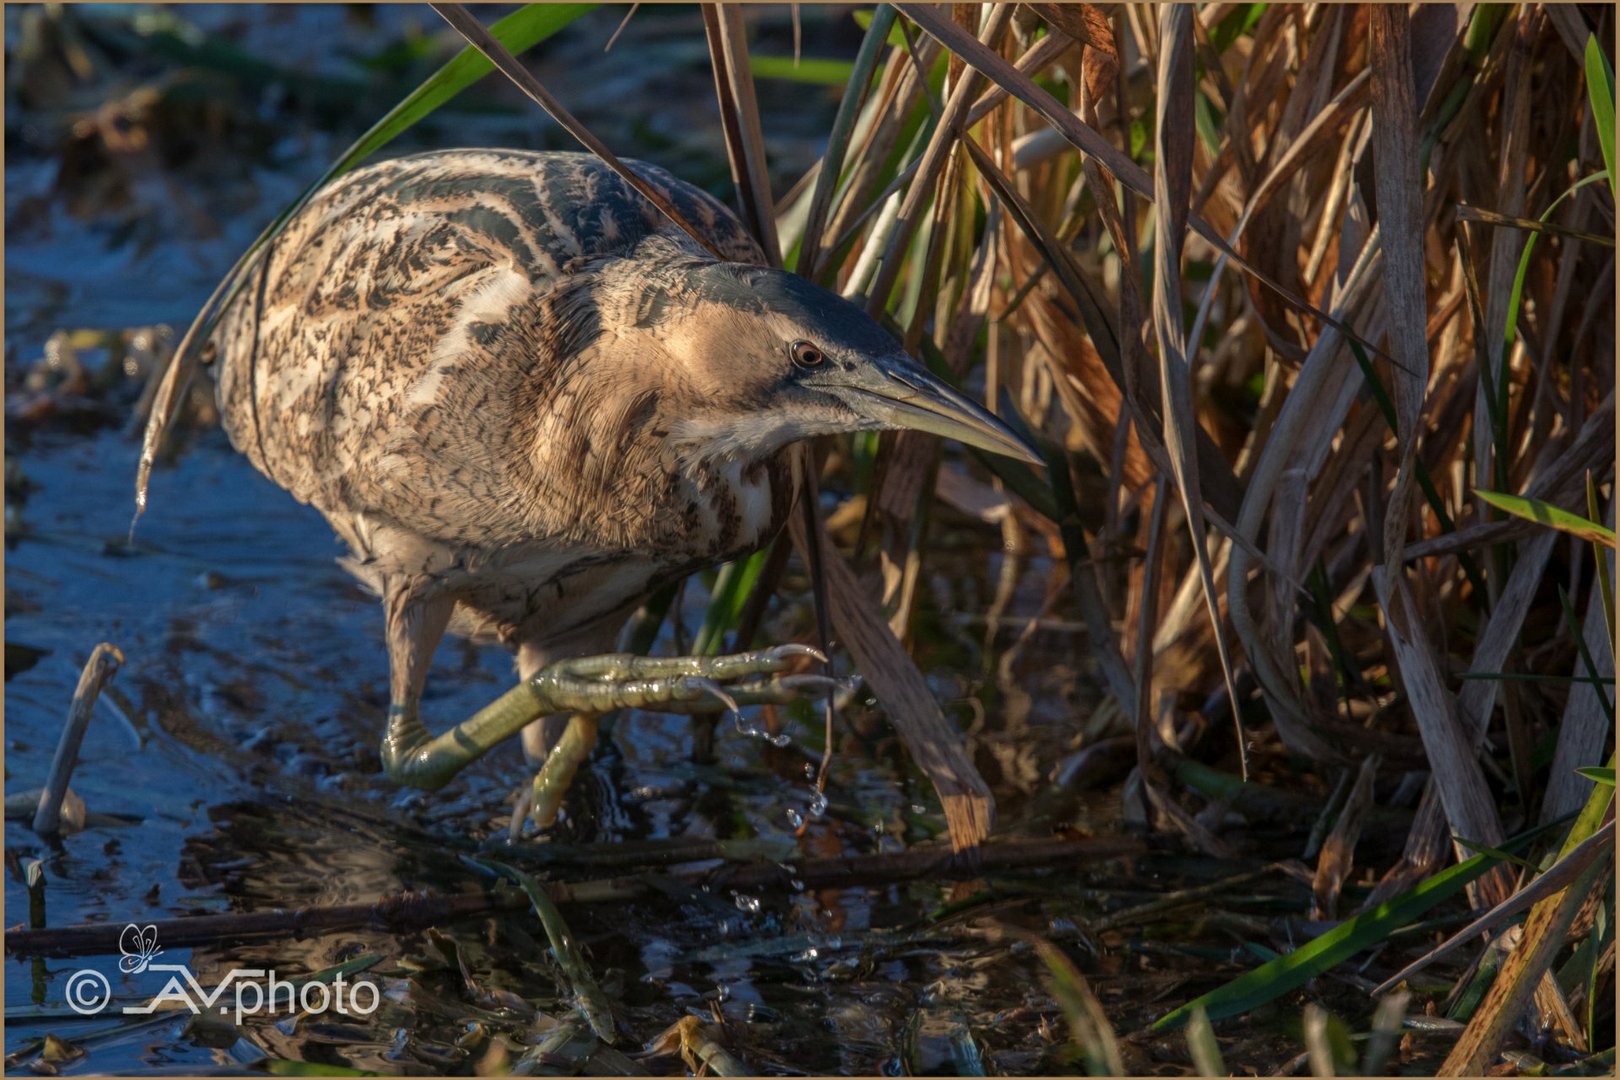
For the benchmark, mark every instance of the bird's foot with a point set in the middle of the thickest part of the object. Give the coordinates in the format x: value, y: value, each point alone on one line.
x: 680, y: 684
x: 587, y: 687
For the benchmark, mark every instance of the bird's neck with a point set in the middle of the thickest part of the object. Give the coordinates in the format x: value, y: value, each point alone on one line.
x: 616, y: 439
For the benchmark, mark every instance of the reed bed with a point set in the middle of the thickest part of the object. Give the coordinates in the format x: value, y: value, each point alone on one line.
x: 1296, y: 295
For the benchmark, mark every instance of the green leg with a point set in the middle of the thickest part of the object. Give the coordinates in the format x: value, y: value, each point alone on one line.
x: 591, y: 686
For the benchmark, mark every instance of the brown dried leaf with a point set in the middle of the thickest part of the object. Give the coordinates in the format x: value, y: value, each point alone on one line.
x: 1470, y: 812
x: 1173, y: 175
x: 1338, y: 855
x: 1544, y: 935
x: 1400, y: 221
x: 929, y: 172
x: 1087, y: 24
x: 933, y: 744
x: 739, y: 120
x: 1090, y: 141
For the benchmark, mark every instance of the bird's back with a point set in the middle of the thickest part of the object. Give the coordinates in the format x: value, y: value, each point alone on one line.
x: 411, y: 339
x: 389, y: 284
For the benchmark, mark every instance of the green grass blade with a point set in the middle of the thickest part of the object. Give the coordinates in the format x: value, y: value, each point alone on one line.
x: 592, y: 1003
x: 1590, y: 819
x: 1479, y: 848
x: 809, y: 70
x: 288, y: 1067
x: 519, y: 31
x: 1510, y: 329
x: 1600, y: 91
x: 732, y: 587
x: 1549, y: 515
x: 1597, y: 775
x: 894, y: 35
x: 1488, y: 376
x: 1602, y: 932
x: 1234, y: 26
x: 1579, y: 635
x: 1295, y: 969
x: 843, y: 128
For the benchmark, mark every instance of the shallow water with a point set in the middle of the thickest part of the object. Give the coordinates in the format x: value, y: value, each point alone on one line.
x: 231, y: 764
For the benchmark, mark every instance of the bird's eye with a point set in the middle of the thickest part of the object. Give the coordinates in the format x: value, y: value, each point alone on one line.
x: 806, y: 355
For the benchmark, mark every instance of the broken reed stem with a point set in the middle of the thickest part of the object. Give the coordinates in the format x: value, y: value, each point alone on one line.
x: 414, y: 911
x: 101, y: 666
x: 1176, y: 899
x: 404, y: 912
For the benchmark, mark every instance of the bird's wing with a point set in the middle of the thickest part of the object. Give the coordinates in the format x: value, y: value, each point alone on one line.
x: 358, y: 368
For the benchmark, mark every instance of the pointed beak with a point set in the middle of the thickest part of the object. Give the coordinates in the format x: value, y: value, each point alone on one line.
x: 900, y: 394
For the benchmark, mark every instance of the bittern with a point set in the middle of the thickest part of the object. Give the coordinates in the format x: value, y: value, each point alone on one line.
x: 525, y: 399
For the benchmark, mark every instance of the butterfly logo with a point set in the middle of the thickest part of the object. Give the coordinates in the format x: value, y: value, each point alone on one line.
x: 139, y: 945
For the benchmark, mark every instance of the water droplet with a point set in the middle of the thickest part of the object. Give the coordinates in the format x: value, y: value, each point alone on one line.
x: 818, y: 804
x: 809, y: 771
x: 781, y: 739
x: 796, y: 885
x: 747, y: 903
x: 722, y: 992
x: 795, y: 818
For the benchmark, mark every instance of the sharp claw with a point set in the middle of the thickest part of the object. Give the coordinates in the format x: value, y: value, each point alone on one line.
x: 782, y: 652
x: 714, y: 689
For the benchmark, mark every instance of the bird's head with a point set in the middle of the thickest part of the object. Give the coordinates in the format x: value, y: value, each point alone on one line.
x: 772, y: 358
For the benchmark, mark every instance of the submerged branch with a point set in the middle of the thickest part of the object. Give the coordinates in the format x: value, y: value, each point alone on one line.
x: 414, y: 911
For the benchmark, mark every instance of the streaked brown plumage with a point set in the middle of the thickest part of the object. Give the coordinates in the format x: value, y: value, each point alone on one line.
x: 524, y: 398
